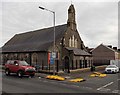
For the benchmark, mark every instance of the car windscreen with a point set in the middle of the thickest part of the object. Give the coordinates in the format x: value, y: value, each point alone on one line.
x: 24, y: 63
x: 111, y: 66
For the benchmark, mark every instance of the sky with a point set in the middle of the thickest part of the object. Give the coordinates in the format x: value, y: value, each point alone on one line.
x: 97, y: 20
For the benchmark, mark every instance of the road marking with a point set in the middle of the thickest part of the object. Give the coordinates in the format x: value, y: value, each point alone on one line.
x: 108, y: 84
x: 105, y: 86
x: 105, y: 89
x: 115, y: 91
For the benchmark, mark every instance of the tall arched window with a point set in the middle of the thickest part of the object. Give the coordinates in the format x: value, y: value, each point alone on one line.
x: 70, y: 42
x: 34, y: 58
x: 64, y: 41
x: 73, y: 41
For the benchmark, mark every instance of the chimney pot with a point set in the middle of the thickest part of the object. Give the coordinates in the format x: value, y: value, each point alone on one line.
x: 110, y: 46
x: 115, y: 48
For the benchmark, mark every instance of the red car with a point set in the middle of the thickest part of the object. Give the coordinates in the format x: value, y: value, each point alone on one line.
x: 19, y: 67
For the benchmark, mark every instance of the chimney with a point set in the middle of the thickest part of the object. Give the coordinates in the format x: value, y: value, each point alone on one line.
x: 115, y: 48
x: 119, y: 50
x: 110, y: 46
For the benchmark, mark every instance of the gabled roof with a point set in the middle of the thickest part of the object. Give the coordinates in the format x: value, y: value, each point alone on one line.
x: 38, y: 40
x: 104, y: 46
x: 77, y: 51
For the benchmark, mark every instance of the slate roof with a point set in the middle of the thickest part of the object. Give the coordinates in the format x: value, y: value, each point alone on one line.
x: 105, y: 47
x: 38, y: 40
x: 77, y: 51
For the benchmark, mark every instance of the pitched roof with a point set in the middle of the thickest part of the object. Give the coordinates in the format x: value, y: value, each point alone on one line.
x: 38, y: 40
x: 77, y: 51
x: 104, y: 46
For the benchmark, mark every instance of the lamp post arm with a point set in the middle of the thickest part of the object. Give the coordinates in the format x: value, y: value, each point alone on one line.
x: 49, y: 10
x: 46, y: 9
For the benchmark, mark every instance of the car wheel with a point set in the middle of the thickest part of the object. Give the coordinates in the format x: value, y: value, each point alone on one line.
x: 114, y: 72
x: 20, y: 74
x: 32, y: 75
x: 7, y: 72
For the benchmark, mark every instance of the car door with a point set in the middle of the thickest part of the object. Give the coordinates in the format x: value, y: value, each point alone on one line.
x: 11, y: 66
x: 16, y: 66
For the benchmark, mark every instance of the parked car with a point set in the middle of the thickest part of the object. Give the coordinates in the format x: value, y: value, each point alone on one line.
x: 19, y: 67
x: 111, y: 69
x: 115, y: 62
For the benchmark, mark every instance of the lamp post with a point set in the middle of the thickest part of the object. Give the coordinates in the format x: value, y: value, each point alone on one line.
x: 54, y: 34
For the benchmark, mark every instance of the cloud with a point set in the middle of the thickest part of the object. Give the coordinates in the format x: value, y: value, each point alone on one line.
x: 98, y: 21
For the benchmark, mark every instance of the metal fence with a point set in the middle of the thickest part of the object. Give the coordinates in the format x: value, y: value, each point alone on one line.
x: 60, y: 66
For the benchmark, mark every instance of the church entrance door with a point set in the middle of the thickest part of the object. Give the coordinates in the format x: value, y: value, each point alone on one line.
x: 66, y: 60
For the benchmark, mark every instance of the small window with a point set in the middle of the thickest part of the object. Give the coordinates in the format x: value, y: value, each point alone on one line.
x: 34, y: 58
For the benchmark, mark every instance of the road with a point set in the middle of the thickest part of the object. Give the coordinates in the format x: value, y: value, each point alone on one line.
x: 13, y: 84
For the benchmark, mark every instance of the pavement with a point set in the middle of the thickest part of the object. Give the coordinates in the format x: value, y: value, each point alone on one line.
x: 78, y: 73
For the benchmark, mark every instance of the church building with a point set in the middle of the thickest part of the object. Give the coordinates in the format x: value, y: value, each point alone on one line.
x: 35, y: 47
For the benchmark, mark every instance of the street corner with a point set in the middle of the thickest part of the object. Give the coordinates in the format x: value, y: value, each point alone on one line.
x: 55, y: 77
x: 77, y: 80
x: 98, y: 74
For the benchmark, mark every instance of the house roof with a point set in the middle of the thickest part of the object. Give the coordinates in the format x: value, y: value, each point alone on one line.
x: 38, y: 40
x: 77, y: 51
x: 105, y: 47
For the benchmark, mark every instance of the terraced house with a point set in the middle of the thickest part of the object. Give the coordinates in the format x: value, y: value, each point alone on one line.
x: 102, y: 54
x: 35, y: 47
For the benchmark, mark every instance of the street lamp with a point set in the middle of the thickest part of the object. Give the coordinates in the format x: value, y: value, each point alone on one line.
x: 54, y: 33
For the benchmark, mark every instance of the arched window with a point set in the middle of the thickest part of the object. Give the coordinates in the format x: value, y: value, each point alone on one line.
x: 11, y: 56
x: 73, y: 41
x: 64, y: 41
x: 15, y: 56
x: 21, y: 56
x: 26, y: 57
x: 34, y: 58
x: 70, y: 42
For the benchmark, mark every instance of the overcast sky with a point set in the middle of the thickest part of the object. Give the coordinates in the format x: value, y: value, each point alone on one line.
x: 97, y: 22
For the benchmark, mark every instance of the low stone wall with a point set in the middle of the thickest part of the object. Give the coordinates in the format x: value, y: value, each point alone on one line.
x: 84, y: 70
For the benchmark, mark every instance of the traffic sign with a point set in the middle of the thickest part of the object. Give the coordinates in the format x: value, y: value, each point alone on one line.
x: 53, y: 54
x: 51, y: 60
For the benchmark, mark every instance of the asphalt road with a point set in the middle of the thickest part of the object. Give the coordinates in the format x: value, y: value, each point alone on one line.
x: 13, y: 84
